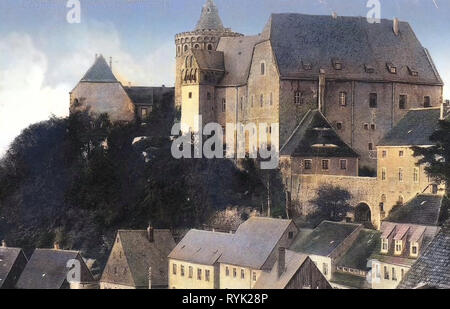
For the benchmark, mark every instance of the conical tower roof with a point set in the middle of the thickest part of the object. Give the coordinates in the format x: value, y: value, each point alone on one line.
x: 99, y: 72
x: 210, y: 19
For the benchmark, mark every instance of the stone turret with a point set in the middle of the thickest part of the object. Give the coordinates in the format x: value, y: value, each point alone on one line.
x: 207, y: 33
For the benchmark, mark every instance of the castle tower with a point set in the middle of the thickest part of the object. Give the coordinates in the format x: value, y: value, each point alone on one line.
x: 206, y: 36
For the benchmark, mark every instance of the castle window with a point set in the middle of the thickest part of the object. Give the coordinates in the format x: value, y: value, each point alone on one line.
x: 343, y: 164
x: 383, y: 173
x: 401, y: 153
x: 308, y: 164
x: 190, y: 95
x: 343, y: 98
x: 373, y: 127
x: 263, y: 68
x: 400, y: 200
x: 426, y: 102
x: 400, y: 174
x: 224, y: 105
x: 366, y: 126
x: 325, y: 165
x: 76, y: 103
x: 197, y: 46
x: 242, y: 103
x: 261, y: 100
x: 370, y: 146
x: 384, y: 154
x: 339, y: 125
x: 185, y: 48
x: 210, y: 47
x: 208, y: 96
x: 416, y: 175
x: 298, y: 97
x: 373, y: 100
x: 402, y: 101
x: 271, y: 98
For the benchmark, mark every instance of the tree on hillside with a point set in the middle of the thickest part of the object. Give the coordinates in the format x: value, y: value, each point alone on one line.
x: 332, y: 203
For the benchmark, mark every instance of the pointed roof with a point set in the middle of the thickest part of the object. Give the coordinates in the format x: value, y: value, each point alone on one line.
x: 315, y: 137
x: 8, y: 258
x: 210, y: 19
x: 100, y: 72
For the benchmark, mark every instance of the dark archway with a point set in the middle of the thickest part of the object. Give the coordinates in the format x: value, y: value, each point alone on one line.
x: 363, y: 213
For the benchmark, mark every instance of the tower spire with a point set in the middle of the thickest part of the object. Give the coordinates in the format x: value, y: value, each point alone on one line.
x: 210, y: 19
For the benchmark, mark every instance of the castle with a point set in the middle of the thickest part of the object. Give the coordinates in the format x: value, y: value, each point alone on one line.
x: 362, y: 77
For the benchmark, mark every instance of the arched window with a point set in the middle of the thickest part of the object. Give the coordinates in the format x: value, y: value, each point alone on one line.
x: 197, y: 46
x: 76, y: 103
x: 191, y: 61
x: 186, y: 62
x: 261, y: 100
x: 210, y: 47
x: 401, y: 200
x: 185, y: 48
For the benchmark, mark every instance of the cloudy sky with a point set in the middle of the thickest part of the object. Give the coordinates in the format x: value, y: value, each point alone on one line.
x: 42, y: 56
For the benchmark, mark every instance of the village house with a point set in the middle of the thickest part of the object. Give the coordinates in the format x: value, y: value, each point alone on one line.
x: 99, y: 91
x: 138, y: 260
x: 12, y: 263
x: 52, y: 269
x: 292, y: 271
x: 405, y: 235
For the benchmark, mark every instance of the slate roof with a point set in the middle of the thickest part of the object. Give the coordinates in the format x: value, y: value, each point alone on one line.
x: 147, y: 95
x: 141, y: 254
x: 99, y: 72
x: 254, y: 241
x: 271, y: 280
x: 351, y: 40
x: 415, y: 129
x: 325, y: 238
x: 209, y: 60
x: 315, y: 137
x: 424, y: 209
x: 350, y: 281
x: 432, y: 269
x: 201, y: 247
x: 8, y: 257
x: 47, y: 269
x: 209, y: 19
x: 238, y: 53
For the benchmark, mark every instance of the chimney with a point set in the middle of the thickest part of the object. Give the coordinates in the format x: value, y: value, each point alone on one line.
x: 149, y: 277
x: 321, y: 90
x: 281, y: 261
x: 150, y: 234
x: 56, y: 245
x: 4, y: 244
x: 396, y: 26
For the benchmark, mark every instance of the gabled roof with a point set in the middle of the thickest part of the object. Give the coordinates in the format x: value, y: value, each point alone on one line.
x: 8, y: 257
x: 201, y: 247
x: 352, y: 41
x: 47, y: 269
x: 99, y: 72
x: 271, y: 280
x: 141, y: 254
x: 325, y: 238
x: 423, y: 209
x: 415, y: 129
x: 238, y: 53
x: 147, y: 95
x: 210, y: 19
x: 432, y: 269
x: 208, y: 59
x: 254, y: 241
x: 314, y: 136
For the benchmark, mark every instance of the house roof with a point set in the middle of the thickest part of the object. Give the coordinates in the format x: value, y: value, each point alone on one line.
x: 147, y: 95
x: 209, y: 19
x: 314, y: 136
x: 432, y: 269
x: 350, y: 281
x: 271, y: 280
x: 238, y: 53
x: 141, y: 254
x: 357, y: 256
x: 208, y: 59
x: 415, y: 129
x: 47, y: 269
x: 325, y: 238
x: 99, y: 72
x: 254, y: 241
x: 352, y: 41
x: 424, y: 209
x: 8, y: 257
x: 201, y: 247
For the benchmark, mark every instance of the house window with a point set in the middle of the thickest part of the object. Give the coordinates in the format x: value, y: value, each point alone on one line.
x: 339, y: 125
x: 308, y: 164
x: 383, y: 173
x: 400, y: 174
x: 384, y: 154
x: 254, y: 276
x: 234, y: 272
x: 337, y: 65
x: 386, y: 273
x: 401, y: 153
x: 298, y: 97
x: 426, y: 102
x: 207, y: 273
x: 414, y: 249
x: 373, y: 127
x: 402, y: 101
x: 290, y: 235
x: 366, y: 126
x: 144, y: 112
x: 416, y: 175
x: 384, y: 245
x: 227, y: 271
x: 199, y: 274
x: 261, y: 100
x: 325, y: 165
x: 208, y: 96
x: 182, y: 270
x: 394, y: 274
x: 343, y: 164
x: 174, y: 269
x: 400, y: 200
x: 224, y: 105
x: 242, y: 274
x: 271, y: 99
x: 398, y: 247
x: 325, y: 269
x: 343, y: 98
x: 190, y: 95
x: 191, y: 271
x: 391, y: 68
x: 373, y: 100
x: 263, y: 68
x: 370, y: 146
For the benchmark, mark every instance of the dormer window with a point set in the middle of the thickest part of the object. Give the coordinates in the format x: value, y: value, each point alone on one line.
x: 391, y: 68
x: 398, y: 247
x: 369, y: 69
x: 337, y: 64
x: 307, y: 66
x: 414, y: 249
x: 413, y: 72
x: 384, y: 245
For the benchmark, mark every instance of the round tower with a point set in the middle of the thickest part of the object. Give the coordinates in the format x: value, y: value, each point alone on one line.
x: 206, y: 36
